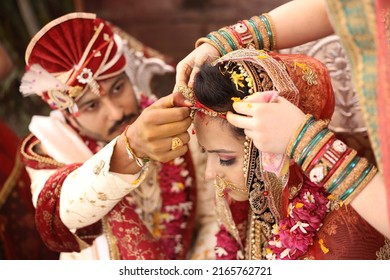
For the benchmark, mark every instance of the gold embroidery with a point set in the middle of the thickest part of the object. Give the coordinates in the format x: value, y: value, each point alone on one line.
x: 384, y: 252
x: 33, y: 155
x: 309, y: 76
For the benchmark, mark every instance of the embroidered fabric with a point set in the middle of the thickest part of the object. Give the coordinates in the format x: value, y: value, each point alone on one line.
x: 288, y: 217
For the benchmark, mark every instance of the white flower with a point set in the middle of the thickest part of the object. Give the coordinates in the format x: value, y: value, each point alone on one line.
x: 178, y: 161
x: 186, y: 207
x: 308, y: 197
x: 184, y: 173
x: 177, y: 187
x: 290, y: 210
x: 178, y: 248
x: 171, y: 208
x: 275, y: 243
x: 188, y: 181
x: 301, y: 226
x: 285, y: 253
x: 85, y: 76
x: 270, y: 256
x: 328, y: 206
x: 240, y: 255
x: 219, y: 251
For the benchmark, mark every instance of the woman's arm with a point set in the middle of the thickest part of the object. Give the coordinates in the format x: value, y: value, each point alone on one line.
x: 261, y: 125
x: 294, y: 23
x: 300, y: 21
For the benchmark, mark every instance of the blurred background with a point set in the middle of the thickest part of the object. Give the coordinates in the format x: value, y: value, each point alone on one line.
x: 169, y: 26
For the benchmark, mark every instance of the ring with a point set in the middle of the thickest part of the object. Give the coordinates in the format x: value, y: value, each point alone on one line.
x: 176, y: 143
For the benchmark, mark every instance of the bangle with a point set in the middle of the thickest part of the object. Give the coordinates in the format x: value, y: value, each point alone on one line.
x: 202, y: 40
x: 270, y: 30
x: 294, y: 140
x: 140, y: 161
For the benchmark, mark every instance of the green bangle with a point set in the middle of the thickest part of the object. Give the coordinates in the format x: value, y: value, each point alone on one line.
x: 348, y: 192
x: 219, y: 44
x: 258, y: 35
x: 229, y: 39
x: 269, y: 31
x: 343, y: 175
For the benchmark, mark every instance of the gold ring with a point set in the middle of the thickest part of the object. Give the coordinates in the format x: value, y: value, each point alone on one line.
x: 176, y: 143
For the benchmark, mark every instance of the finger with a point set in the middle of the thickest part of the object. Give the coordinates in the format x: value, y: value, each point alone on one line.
x: 170, y: 147
x: 168, y: 129
x: 262, y: 97
x: 171, y: 155
x: 238, y: 120
x: 245, y: 108
x: 163, y: 102
x: 199, y: 61
x: 158, y: 117
x: 184, y: 139
x: 183, y: 71
x: 193, y: 74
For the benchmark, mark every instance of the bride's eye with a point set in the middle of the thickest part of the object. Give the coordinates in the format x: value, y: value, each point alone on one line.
x: 227, y: 162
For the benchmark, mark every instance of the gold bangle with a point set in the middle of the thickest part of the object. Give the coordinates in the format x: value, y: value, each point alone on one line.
x: 263, y: 32
x: 316, y: 150
x: 202, y: 40
x: 347, y: 160
x: 273, y: 32
x: 295, y: 135
x: 231, y: 36
x: 222, y: 40
x: 140, y: 161
x: 351, y: 178
x: 313, y: 130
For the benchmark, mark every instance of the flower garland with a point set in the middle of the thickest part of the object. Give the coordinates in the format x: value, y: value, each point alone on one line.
x: 175, y: 221
x: 295, y: 233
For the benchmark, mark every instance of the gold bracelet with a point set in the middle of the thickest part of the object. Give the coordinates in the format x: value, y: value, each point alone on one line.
x: 140, y: 161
